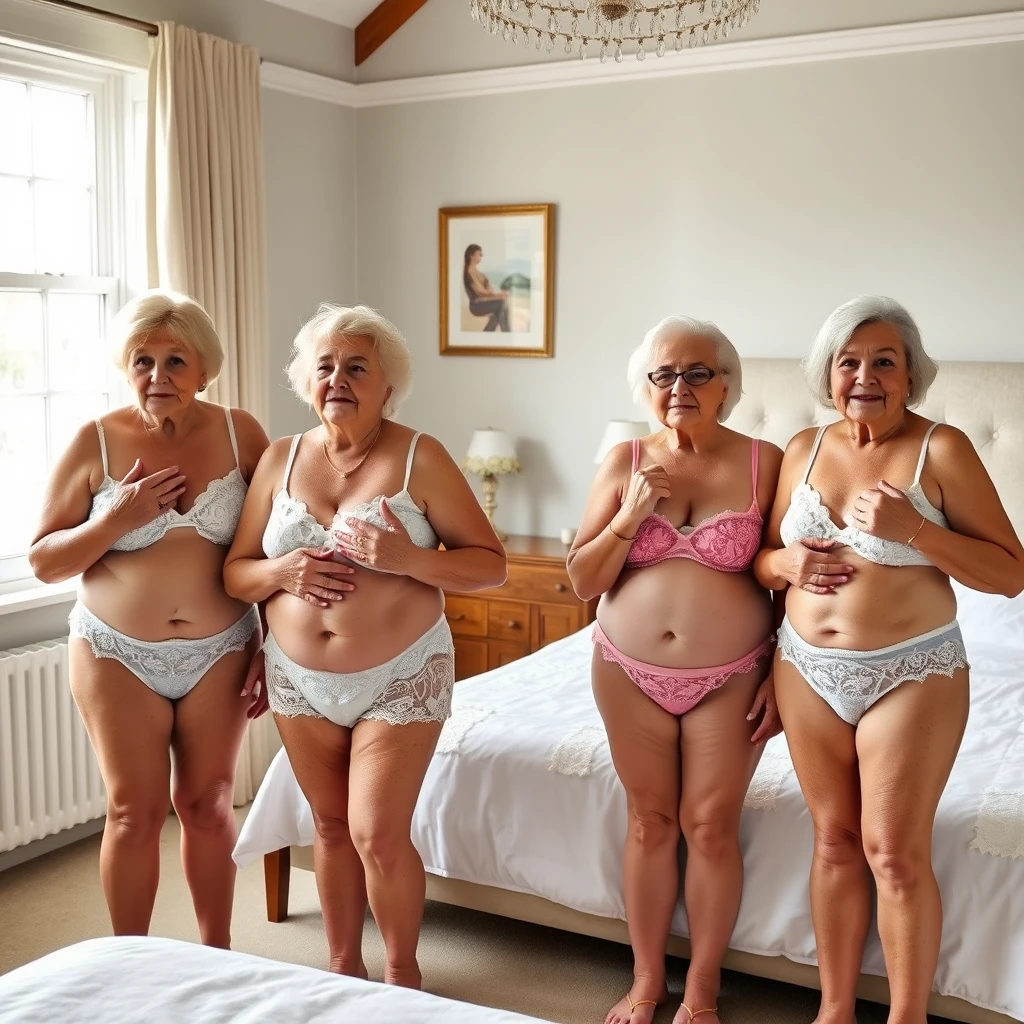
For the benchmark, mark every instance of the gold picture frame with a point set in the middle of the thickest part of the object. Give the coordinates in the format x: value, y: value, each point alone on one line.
x: 496, y: 276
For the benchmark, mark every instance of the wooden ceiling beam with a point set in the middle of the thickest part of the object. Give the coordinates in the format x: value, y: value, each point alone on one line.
x: 382, y: 23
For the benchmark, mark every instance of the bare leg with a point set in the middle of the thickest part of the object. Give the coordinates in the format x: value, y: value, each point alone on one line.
x: 388, y: 766
x: 907, y: 745
x: 718, y: 761
x: 319, y: 754
x: 209, y: 723
x: 824, y: 755
x: 129, y: 726
x: 644, y: 742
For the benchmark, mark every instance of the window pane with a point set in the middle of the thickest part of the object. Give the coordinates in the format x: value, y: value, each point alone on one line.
x: 63, y: 229
x: 15, y: 136
x: 21, y: 344
x: 77, y: 359
x: 67, y: 414
x: 60, y: 125
x: 22, y: 459
x: 16, y: 226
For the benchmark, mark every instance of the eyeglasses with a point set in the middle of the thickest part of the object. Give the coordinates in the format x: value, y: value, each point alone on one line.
x: 694, y: 376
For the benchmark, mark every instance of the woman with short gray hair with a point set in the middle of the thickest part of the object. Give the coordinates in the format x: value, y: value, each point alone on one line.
x: 359, y: 659
x: 682, y: 650
x: 874, y: 514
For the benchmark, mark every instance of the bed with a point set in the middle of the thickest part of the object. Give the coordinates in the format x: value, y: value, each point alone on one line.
x: 521, y: 814
x: 166, y: 981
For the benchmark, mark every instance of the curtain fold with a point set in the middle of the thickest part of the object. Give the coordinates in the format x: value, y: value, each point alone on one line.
x: 205, y: 219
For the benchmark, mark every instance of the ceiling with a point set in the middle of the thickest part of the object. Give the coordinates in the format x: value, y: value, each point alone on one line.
x: 342, y: 12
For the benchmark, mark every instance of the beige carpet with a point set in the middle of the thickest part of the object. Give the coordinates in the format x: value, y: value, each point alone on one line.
x: 56, y: 900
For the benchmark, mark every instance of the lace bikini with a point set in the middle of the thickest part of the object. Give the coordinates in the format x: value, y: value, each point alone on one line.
x: 852, y: 681
x: 171, y: 668
x: 728, y: 542
x: 414, y: 686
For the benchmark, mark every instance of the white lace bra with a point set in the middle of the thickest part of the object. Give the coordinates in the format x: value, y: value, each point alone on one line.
x: 291, y: 525
x: 214, y: 514
x: 807, y: 517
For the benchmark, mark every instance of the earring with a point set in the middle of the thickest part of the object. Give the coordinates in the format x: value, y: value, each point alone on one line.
x: 202, y: 387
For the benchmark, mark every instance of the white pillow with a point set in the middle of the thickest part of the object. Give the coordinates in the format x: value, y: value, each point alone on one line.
x: 990, y: 618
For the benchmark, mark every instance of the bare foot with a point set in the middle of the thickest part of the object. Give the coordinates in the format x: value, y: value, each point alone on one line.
x: 640, y: 1010
x: 688, y: 1013
x: 405, y: 977
x: 353, y: 967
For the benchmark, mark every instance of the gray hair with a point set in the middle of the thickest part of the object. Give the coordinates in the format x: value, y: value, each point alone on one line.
x: 179, y: 315
x: 837, y: 330
x: 331, y: 320
x: 678, y: 326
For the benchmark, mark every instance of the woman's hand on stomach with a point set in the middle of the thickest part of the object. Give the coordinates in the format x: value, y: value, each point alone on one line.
x: 815, y: 565
x: 171, y: 589
x: 881, y: 605
x: 681, y: 614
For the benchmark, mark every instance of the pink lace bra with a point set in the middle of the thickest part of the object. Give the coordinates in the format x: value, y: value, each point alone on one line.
x: 726, y: 541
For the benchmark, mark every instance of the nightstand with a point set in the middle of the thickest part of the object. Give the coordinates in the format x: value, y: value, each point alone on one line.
x: 535, y: 606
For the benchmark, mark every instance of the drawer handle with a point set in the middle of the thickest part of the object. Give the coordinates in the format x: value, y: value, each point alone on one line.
x: 560, y: 587
x: 512, y: 624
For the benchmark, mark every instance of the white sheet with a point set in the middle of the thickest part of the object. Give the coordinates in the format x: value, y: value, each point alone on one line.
x: 493, y: 811
x: 165, y: 981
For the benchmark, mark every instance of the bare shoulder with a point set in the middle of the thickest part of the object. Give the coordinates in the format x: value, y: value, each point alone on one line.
x: 948, y: 442
x: 429, y: 450
x: 801, y: 442
x: 252, y: 438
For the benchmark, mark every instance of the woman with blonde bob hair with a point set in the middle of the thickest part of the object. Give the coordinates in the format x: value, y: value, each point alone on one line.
x: 874, y: 514
x: 682, y: 650
x: 143, y: 505
x: 339, y: 539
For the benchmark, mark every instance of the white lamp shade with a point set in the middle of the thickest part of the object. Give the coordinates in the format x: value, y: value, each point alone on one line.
x: 618, y: 431
x: 491, y: 451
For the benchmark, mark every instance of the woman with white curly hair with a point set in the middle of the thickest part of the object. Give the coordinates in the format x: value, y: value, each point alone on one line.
x: 873, y: 516
x: 682, y: 649
x: 144, y: 505
x: 359, y: 659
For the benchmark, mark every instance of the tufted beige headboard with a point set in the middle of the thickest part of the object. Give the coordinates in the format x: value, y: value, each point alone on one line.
x: 985, y: 400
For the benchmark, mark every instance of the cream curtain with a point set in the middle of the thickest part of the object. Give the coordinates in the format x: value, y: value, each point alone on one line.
x: 206, y: 233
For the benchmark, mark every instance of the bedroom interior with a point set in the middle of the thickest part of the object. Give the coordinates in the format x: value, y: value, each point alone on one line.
x: 755, y: 178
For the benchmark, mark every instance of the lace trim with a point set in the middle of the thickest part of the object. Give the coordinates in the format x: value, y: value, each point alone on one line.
x: 423, y: 697
x: 851, y: 681
x: 171, y: 668
x: 729, y: 544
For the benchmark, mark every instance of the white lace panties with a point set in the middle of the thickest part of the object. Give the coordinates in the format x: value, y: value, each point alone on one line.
x: 414, y: 686
x: 168, y: 667
x: 851, y: 681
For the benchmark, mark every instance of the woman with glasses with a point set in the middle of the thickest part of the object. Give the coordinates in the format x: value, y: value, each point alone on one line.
x: 874, y: 514
x: 682, y: 650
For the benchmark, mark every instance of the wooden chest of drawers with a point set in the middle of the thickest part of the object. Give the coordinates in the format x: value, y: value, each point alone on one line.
x: 535, y: 606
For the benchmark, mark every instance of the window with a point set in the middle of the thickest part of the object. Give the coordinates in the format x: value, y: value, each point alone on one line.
x: 71, y: 159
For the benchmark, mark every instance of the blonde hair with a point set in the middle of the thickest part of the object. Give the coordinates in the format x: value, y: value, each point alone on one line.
x: 180, y: 315
x: 332, y: 320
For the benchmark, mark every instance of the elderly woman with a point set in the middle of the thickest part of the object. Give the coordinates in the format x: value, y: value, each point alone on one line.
x: 873, y: 516
x: 682, y: 649
x: 359, y: 661
x: 143, y: 505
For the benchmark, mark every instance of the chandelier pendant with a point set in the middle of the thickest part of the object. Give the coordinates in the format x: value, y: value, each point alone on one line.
x: 609, y: 25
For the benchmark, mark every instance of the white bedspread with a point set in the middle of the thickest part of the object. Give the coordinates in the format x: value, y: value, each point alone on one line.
x: 164, y: 981
x: 494, y: 811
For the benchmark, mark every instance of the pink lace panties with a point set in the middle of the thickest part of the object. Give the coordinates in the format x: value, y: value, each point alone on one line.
x: 677, y: 690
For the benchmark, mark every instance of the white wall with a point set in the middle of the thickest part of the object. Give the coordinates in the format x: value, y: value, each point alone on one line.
x: 760, y: 199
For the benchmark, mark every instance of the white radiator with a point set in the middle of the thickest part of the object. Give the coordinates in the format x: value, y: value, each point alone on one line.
x: 49, y: 778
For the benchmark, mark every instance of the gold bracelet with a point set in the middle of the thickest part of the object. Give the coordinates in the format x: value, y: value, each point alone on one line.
x: 619, y: 535
x: 917, y: 531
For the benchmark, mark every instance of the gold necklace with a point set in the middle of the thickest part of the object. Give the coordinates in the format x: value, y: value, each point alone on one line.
x: 346, y: 473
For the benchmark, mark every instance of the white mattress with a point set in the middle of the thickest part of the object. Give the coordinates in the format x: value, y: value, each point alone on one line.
x: 165, y: 981
x: 500, y: 806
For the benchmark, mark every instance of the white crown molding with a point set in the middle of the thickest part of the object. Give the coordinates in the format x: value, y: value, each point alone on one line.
x: 305, y: 83
x: 911, y: 37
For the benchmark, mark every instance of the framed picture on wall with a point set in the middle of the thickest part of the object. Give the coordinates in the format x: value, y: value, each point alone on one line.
x: 497, y: 280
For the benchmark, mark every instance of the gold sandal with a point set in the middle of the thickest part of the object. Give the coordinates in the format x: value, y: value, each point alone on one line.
x: 640, y: 1002
x: 697, y: 1013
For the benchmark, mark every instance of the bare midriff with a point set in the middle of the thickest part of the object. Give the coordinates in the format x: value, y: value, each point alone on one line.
x: 881, y: 605
x: 681, y: 614
x: 171, y: 590
x: 377, y: 621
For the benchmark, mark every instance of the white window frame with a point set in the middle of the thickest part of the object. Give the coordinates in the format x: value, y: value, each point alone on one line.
x: 118, y: 228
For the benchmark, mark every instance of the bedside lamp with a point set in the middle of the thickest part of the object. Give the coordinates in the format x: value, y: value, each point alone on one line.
x: 491, y: 454
x: 617, y: 431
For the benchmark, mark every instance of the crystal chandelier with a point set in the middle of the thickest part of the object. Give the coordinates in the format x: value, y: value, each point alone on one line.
x: 608, y: 24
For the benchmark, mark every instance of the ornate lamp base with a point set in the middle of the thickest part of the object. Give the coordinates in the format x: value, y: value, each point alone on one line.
x: 490, y: 486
